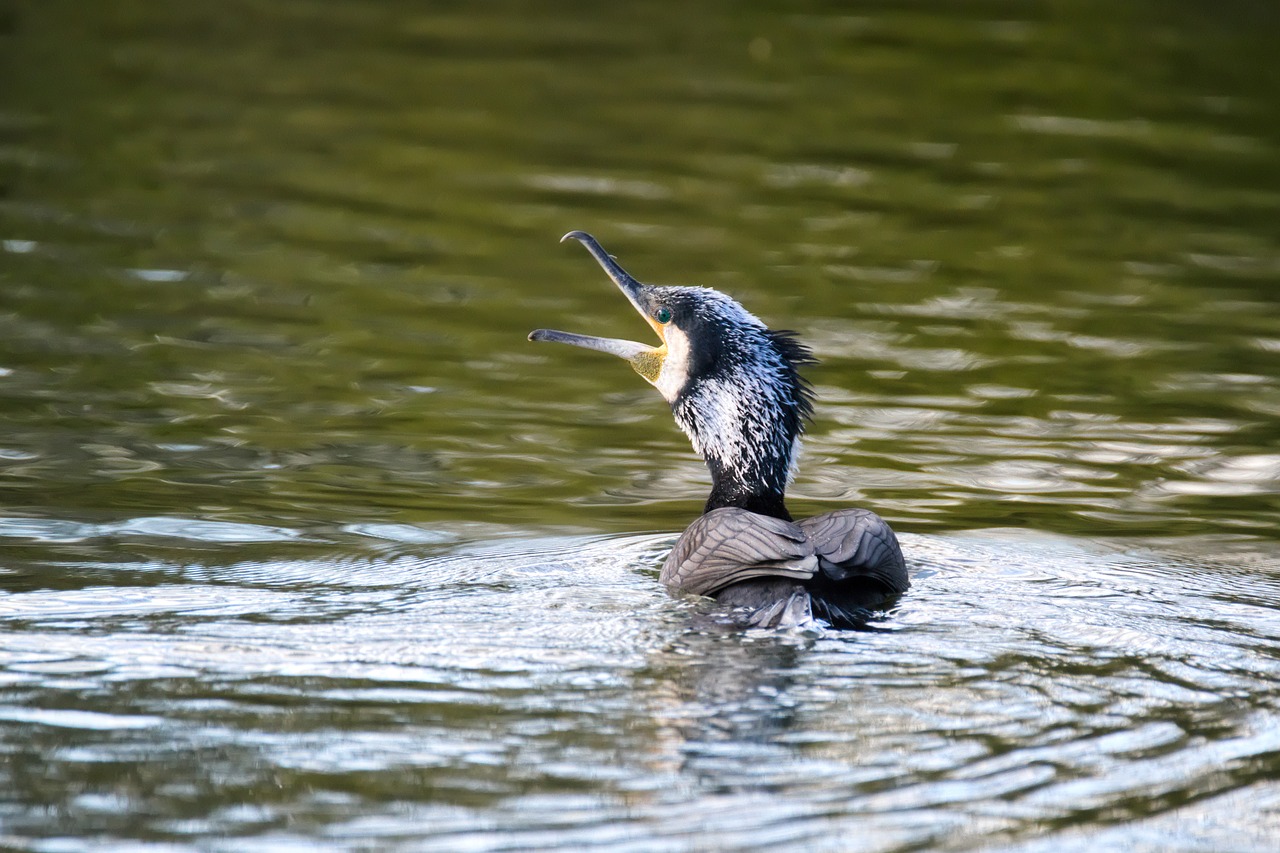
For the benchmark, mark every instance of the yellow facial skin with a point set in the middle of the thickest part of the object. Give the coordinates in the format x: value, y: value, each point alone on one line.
x: 649, y: 364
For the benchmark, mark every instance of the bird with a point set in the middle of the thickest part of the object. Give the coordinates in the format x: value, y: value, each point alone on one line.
x: 735, y: 389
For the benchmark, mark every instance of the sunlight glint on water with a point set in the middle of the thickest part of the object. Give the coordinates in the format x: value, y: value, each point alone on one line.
x: 302, y: 543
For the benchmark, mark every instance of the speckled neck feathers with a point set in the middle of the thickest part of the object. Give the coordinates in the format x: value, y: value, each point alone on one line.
x: 735, y: 390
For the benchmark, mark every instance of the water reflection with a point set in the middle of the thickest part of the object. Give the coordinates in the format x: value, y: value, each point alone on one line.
x: 721, y: 688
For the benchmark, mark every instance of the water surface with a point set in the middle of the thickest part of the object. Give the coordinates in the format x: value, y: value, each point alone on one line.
x: 304, y: 544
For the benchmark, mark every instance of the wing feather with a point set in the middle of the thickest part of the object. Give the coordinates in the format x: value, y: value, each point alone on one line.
x: 857, y: 543
x: 729, y: 545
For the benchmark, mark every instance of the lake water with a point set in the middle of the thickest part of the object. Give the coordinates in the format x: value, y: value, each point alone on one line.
x: 303, y: 545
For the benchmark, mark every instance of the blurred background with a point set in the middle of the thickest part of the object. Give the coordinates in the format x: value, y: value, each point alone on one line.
x: 277, y: 260
x: 267, y: 268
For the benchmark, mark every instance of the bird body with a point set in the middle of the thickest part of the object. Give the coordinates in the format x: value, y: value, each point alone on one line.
x: 735, y: 390
x: 837, y: 567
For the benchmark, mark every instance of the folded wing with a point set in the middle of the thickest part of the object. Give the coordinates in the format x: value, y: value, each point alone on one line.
x: 730, y: 545
x: 857, y: 543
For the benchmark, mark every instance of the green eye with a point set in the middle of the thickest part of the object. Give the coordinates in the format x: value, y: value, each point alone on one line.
x: 663, y: 315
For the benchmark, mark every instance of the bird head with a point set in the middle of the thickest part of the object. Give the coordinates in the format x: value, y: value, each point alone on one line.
x: 732, y: 383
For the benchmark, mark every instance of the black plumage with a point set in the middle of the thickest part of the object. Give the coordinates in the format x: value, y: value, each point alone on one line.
x: 735, y: 389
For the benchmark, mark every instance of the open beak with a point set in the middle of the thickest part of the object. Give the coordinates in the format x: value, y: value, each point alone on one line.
x: 646, y: 360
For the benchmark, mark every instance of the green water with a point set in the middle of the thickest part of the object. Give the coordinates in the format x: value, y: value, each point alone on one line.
x: 303, y: 544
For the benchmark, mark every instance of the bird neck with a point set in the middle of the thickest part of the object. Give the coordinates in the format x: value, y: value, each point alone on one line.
x: 749, y: 446
x: 725, y: 493
x: 743, y: 405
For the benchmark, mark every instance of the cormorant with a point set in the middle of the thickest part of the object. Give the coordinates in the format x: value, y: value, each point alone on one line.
x: 735, y: 389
